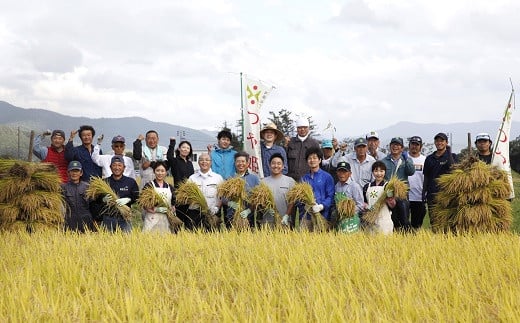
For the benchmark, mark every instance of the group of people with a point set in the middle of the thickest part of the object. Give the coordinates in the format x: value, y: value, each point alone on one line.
x: 332, y: 172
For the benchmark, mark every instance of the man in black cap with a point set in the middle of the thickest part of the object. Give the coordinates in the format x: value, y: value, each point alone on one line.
x: 415, y: 181
x: 436, y: 164
x: 483, y: 143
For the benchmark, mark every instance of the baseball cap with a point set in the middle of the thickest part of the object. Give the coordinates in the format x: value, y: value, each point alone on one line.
x: 441, y: 135
x: 343, y: 165
x: 326, y: 143
x: 118, y: 138
x: 482, y: 136
x: 74, y: 165
x: 360, y: 142
x: 117, y: 159
x: 58, y: 132
x: 302, y: 122
x: 397, y: 140
x: 416, y: 139
x: 372, y: 134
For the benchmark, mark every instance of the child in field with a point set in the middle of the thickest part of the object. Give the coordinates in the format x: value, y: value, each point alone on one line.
x: 372, y: 192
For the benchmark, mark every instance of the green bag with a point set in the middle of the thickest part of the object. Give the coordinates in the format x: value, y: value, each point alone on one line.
x: 349, y: 225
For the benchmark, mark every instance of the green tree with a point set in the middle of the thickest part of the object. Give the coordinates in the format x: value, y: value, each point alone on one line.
x: 283, y: 121
x: 236, y: 140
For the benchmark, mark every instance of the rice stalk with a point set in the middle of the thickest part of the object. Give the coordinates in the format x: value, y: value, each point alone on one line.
x: 150, y: 198
x: 99, y: 188
x: 233, y: 189
x: 302, y: 193
x: 261, y: 199
x: 188, y: 193
x: 346, y: 208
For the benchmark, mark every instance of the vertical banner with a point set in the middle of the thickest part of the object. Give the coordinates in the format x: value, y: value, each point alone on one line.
x: 500, y: 157
x: 254, y: 93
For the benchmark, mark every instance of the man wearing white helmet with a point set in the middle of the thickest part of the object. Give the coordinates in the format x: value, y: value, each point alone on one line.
x: 483, y: 143
x: 297, y: 147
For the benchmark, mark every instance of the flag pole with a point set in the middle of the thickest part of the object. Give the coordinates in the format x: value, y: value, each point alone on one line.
x: 509, y: 102
x: 242, y: 110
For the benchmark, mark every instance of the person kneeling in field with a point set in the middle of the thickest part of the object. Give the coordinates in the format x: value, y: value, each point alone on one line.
x: 322, y: 185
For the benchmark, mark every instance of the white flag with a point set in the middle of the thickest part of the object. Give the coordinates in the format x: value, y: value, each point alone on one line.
x: 500, y: 157
x: 254, y: 93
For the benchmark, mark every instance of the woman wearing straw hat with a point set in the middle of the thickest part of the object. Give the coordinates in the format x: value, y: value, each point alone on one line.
x: 271, y: 135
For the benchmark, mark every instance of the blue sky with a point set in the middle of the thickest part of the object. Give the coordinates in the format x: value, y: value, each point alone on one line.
x: 362, y: 64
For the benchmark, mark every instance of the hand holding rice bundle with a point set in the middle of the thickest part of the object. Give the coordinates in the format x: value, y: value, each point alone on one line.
x: 396, y: 189
x: 234, y: 190
x: 261, y: 199
x: 150, y: 199
x: 99, y: 188
x: 189, y: 193
x: 302, y: 192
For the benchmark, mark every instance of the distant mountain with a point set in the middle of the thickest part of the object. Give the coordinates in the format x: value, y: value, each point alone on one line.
x: 39, y: 119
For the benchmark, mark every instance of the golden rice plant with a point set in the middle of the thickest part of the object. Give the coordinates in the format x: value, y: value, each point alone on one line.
x: 30, y: 193
x: 394, y: 188
x: 261, y: 199
x: 189, y: 192
x: 302, y: 193
x: 99, y: 188
x: 234, y: 189
x: 346, y: 208
x: 472, y: 198
x: 150, y: 198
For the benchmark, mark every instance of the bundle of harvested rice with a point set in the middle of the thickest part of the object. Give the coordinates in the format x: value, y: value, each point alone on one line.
x: 261, y: 199
x: 302, y: 193
x: 30, y: 196
x: 234, y: 189
x: 100, y: 188
x: 394, y: 188
x: 472, y: 198
x: 150, y: 198
x: 189, y: 192
x: 346, y: 208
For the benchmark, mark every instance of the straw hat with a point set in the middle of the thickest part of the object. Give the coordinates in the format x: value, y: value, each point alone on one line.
x: 272, y: 126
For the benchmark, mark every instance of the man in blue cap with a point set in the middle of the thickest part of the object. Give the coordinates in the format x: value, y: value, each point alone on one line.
x: 77, y: 211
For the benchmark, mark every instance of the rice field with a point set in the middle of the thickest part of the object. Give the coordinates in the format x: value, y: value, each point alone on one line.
x: 260, y: 276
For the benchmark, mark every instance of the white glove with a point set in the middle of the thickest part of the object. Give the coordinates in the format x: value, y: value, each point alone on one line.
x: 233, y: 205
x: 123, y: 201
x: 285, y: 220
x: 107, y: 198
x: 245, y: 213
x: 194, y: 206
x: 100, y: 139
x: 316, y: 208
x: 213, y: 210
x: 161, y: 209
x: 269, y: 212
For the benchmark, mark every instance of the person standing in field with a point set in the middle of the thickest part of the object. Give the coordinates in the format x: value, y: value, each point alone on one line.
x: 207, y: 181
x: 55, y: 153
x: 361, y: 162
x: 416, y: 181
x: 148, y: 153
x: 222, y: 155
x: 83, y: 153
x: 371, y: 192
x: 297, y: 147
x: 77, y: 206
x: 436, y: 164
x: 271, y: 136
x: 279, y: 184
x: 155, y: 219
x: 251, y: 179
x: 373, y: 146
x: 483, y: 143
x: 127, y: 192
x: 118, y: 147
x: 322, y: 185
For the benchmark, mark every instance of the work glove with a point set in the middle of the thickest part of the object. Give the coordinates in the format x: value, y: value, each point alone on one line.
x: 100, y: 139
x: 285, y: 220
x: 213, y: 210
x: 316, y: 208
x: 194, y: 206
x: 47, y: 132
x: 244, y: 214
x: 269, y: 212
x: 107, y: 198
x: 161, y: 209
x: 232, y: 204
x: 123, y: 201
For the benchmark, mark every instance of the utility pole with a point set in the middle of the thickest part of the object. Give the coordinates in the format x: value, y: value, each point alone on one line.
x: 18, y: 142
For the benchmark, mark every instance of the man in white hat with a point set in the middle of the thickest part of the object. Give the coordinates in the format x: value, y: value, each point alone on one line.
x: 271, y: 136
x: 296, y: 149
x: 118, y: 148
x: 483, y: 143
x: 373, y: 146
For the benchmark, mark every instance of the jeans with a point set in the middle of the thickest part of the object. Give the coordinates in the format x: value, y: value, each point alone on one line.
x: 114, y: 223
